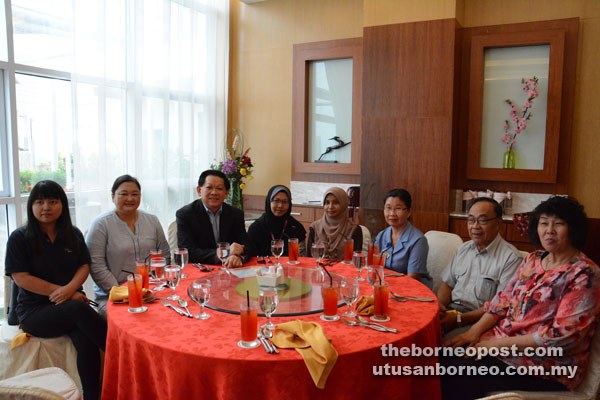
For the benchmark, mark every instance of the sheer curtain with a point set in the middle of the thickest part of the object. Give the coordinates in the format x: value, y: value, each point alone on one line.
x: 149, y: 97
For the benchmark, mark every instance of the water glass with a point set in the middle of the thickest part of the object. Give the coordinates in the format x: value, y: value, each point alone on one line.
x: 268, y: 300
x: 277, y: 249
x: 350, y: 292
x: 358, y: 259
x: 293, y: 251
x: 248, y: 324
x: 223, y: 253
x: 135, y: 293
x: 199, y: 292
x: 157, y: 268
x: 179, y: 257
x: 173, y: 275
x: 329, y: 291
x: 317, y: 251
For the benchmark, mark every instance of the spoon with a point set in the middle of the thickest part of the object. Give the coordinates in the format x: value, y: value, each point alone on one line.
x: 364, y: 321
x: 183, y: 303
x: 266, y: 332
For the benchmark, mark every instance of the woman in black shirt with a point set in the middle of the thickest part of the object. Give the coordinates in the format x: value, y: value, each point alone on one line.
x: 49, y: 262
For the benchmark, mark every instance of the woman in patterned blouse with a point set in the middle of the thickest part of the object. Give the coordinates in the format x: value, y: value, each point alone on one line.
x: 552, y: 302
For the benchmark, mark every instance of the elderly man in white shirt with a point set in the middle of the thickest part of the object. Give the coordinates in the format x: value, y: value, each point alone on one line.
x: 480, y: 268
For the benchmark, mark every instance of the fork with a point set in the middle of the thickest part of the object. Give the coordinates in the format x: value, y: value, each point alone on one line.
x: 352, y: 323
x: 263, y: 341
x: 169, y: 305
x: 397, y: 297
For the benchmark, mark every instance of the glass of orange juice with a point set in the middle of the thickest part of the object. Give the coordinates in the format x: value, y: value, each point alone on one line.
x: 293, y: 251
x: 372, y: 249
x: 330, y: 291
x: 249, y: 325
x: 348, y: 249
x: 144, y: 270
x: 135, y: 294
x: 380, y: 301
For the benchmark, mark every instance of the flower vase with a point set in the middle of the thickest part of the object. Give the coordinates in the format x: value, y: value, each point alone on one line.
x: 509, y: 159
x: 235, y: 195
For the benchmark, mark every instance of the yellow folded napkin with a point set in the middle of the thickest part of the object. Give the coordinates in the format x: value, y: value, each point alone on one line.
x: 313, y: 345
x: 121, y: 293
x: 19, y: 339
x: 364, y: 305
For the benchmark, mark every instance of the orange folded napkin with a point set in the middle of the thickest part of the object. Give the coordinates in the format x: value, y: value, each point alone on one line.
x: 313, y: 345
x: 364, y: 305
x: 121, y: 294
x: 20, y: 339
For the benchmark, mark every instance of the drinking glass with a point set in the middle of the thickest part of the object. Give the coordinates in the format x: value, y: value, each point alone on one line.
x: 248, y: 323
x: 277, y: 249
x: 317, y: 251
x: 200, y: 293
x: 173, y: 275
x: 157, y: 267
x: 223, y: 253
x: 293, y: 251
x: 358, y: 259
x: 374, y: 272
x: 350, y: 294
x: 329, y: 291
x: 179, y: 257
x: 144, y: 270
x: 380, y: 302
x: 135, y: 294
x: 348, y: 249
x: 268, y: 300
x: 372, y: 249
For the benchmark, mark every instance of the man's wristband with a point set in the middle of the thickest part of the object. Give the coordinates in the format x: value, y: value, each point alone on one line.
x: 459, y: 319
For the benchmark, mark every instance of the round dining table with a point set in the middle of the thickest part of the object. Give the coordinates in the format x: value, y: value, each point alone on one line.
x: 159, y: 354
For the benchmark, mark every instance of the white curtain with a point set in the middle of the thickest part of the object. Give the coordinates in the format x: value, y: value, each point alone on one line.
x: 149, y: 93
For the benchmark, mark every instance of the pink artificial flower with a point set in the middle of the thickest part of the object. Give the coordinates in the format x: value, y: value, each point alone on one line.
x: 515, y: 119
x: 517, y: 130
x: 506, y: 138
x: 527, y: 104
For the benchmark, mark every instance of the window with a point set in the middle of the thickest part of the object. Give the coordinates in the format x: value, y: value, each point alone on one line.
x: 101, y: 88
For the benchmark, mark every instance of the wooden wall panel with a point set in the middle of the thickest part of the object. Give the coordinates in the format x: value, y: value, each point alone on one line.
x: 408, y: 90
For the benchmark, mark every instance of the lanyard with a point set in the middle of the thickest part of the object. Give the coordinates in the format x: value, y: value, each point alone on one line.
x: 283, y: 230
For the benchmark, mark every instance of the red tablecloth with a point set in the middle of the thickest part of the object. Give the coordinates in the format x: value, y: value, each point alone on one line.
x: 161, y: 355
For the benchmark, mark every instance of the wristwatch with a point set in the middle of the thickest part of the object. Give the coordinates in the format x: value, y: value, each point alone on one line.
x: 459, y: 319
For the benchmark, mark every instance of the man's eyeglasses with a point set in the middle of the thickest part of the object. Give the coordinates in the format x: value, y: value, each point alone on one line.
x: 481, y: 220
x: 280, y: 202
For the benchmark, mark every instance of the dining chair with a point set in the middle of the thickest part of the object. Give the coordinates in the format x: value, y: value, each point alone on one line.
x: 442, y: 246
x: 587, y: 389
x: 366, y: 238
x: 37, y: 352
x: 41, y: 384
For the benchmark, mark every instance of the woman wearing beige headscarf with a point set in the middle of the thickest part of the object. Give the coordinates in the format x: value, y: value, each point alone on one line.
x: 334, y: 226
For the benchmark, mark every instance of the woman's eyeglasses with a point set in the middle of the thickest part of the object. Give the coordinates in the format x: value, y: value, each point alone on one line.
x: 280, y: 202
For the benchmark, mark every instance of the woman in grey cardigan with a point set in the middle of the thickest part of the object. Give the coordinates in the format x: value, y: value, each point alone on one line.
x: 119, y: 237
